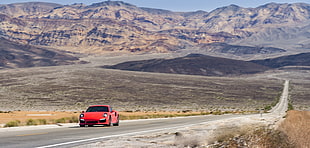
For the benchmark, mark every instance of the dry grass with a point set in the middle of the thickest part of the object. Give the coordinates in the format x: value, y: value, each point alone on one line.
x: 20, y: 118
x: 148, y: 115
x: 297, y: 127
x: 31, y: 122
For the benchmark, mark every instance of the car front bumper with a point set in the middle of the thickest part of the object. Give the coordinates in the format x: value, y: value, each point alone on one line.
x: 93, y: 122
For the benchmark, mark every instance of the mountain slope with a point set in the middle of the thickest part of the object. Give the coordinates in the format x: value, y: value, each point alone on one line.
x: 25, y: 9
x: 238, y: 50
x: 302, y: 59
x: 14, y: 55
x: 193, y: 64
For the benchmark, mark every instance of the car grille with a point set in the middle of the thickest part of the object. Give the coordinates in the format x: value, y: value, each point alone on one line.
x: 92, y: 122
x: 102, y: 120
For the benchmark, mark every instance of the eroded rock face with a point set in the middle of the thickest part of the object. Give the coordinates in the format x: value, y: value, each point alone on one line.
x: 119, y: 26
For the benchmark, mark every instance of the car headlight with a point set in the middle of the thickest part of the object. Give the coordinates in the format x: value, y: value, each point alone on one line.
x: 105, y: 115
x: 82, y: 115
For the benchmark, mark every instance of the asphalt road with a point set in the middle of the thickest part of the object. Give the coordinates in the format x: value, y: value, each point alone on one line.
x: 75, y: 135
x: 281, y: 106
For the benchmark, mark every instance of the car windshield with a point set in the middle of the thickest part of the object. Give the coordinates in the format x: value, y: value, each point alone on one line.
x: 98, y: 109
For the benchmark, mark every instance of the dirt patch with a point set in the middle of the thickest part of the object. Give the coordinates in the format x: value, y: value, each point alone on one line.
x: 297, y: 127
x: 23, y: 116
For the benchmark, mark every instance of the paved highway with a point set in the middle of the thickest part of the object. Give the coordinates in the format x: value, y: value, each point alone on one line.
x: 75, y: 135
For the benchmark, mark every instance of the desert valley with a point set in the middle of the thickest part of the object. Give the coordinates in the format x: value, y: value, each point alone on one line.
x: 62, y: 58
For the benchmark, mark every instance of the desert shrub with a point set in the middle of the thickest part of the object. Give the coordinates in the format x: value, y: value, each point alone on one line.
x: 72, y: 119
x: 268, y: 107
x: 5, y: 111
x: 290, y: 106
x: 61, y: 120
x: 12, y: 123
x: 261, y: 137
x: 31, y: 122
x: 271, y: 138
x: 217, y: 112
x: 42, y: 121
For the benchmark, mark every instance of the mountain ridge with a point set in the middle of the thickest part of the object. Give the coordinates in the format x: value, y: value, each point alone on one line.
x: 120, y: 26
x: 193, y: 64
x: 199, y: 64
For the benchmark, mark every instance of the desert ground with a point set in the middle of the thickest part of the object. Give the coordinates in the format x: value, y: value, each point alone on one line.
x: 74, y: 87
x: 61, y: 92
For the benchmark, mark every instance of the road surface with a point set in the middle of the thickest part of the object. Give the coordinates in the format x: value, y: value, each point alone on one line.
x: 74, y: 135
x: 281, y: 107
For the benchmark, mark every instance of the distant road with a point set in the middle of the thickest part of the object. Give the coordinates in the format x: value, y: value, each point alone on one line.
x: 74, y: 135
x: 282, y: 105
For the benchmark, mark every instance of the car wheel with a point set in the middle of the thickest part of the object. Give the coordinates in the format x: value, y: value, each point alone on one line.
x: 117, y: 123
x: 82, y: 125
x: 110, y: 122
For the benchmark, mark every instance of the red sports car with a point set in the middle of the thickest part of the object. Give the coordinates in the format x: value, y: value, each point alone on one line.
x: 99, y: 115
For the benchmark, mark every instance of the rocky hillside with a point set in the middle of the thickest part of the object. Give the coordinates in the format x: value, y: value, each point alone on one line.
x: 193, y: 64
x: 302, y: 59
x: 198, y: 64
x: 119, y: 26
x: 238, y: 50
x: 14, y: 55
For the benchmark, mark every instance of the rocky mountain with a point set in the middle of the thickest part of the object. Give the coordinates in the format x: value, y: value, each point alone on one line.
x: 119, y: 26
x: 23, y: 9
x: 193, y: 64
x: 14, y: 55
x: 238, y: 50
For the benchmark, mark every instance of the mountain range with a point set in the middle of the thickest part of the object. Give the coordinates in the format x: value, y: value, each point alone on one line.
x: 119, y: 26
x: 199, y: 64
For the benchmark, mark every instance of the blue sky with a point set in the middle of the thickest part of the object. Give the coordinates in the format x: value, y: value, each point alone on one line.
x: 174, y: 5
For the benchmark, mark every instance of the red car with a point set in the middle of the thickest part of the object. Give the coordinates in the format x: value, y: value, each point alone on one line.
x: 99, y: 115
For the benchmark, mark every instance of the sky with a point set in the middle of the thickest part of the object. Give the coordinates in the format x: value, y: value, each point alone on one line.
x: 174, y: 5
